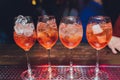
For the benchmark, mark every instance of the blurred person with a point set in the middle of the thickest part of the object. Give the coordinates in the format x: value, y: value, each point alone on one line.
x: 71, y: 8
x: 113, y: 10
x: 93, y: 8
x: 81, y: 4
x: 61, y: 4
x: 66, y: 9
x: 114, y: 44
x: 116, y: 28
x: 74, y: 8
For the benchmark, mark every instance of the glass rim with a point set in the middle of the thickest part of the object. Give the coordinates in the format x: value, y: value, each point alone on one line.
x: 23, y: 16
x: 100, y: 17
x: 49, y: 16
x: 71, y: 20
x: 28, y: 18
x: 64, y: 17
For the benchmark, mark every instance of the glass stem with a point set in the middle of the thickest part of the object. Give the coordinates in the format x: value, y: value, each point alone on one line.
x: 71, y: 65
x: 49, y: 66
x: 29, y: 67
x: 97, y: 64
x: 49, y: 62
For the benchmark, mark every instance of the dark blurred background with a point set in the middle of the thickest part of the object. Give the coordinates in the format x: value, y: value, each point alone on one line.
x: 9, y: 9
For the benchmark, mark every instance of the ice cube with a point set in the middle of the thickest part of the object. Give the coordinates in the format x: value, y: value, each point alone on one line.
x: 52, y: 21
x: 101, y: 38
x: 62, y: 27
x: 21, y: 19
x: 99, y: 33
x: 97, y: 29
x: 28, y: 29
x: 45, y: 18
x: 40, y: 25
x: 30, y: 26
x: 72, y: 19
x: 70, y: 25
x: 71, y: 29
x: 19, y: 29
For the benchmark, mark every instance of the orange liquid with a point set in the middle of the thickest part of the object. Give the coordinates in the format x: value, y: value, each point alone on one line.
x: 100, y: 40
x: 70, y: 42
x: 25, y: 42
x: 70, y: 35
x: 47, y: 37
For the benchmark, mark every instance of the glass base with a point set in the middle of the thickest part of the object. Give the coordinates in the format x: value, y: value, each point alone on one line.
x: 40, y: 74
x: 102, y: 75
x: 26, y: 76
x: 64, y: 73
x: 72, y: 75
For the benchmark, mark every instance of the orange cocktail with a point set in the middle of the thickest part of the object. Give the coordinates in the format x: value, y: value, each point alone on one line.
x: 70, y: 34
x: 99, y: 35
x: 47, y: 34
x: 25, y: 42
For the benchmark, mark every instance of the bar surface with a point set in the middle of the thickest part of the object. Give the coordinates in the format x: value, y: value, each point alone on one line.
x: 84, y: 54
